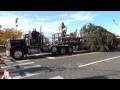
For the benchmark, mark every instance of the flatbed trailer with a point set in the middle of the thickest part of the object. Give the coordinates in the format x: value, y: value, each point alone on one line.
x: 64, y: 45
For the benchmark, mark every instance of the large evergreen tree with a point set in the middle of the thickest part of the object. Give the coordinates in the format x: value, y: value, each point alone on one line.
x: 97, y: 38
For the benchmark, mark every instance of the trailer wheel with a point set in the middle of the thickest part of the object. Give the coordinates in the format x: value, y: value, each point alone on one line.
x: 62, y: 50
x: 70, y: 50
x: 17, y: 54
x: 54, y: 50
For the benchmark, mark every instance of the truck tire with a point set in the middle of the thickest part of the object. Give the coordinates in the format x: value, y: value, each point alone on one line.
x: 70, y: 50
x: 62, y: 50
x: 17, y: 54
x: 54, y: 50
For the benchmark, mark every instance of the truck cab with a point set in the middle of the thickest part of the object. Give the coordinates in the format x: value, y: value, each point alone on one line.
x: 19, y: 48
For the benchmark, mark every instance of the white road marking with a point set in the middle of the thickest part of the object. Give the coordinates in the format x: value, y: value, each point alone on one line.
x: 27, y: 75
x: 19, y: 61
x: 18, y: 64
x: 51, y: 57
x: 23, y: 61
x: 33, y: 66
x: 5, y: 57
x: 37, y: 54
x: 7, y: 60
x: 57, y: 77
x: 99, y: 61
x: 2, y: 77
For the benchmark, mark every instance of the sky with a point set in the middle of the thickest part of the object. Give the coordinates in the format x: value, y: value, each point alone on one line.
x: 51, y: 20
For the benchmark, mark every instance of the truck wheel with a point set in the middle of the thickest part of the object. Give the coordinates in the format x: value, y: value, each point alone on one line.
x: 70, y: 50
x: 17, y: 54
x: 54, y: 50
x: 62, y: 50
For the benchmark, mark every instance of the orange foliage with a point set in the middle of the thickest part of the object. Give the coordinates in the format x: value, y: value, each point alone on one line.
x: 9, y: 33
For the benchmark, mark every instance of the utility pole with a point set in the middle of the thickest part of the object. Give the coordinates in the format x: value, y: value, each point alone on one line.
x: 41, y: 36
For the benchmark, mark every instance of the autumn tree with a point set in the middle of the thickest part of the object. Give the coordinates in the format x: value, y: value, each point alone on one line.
x: 9, y: 33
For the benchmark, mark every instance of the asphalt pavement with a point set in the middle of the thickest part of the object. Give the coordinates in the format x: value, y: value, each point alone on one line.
x: 80, y: 65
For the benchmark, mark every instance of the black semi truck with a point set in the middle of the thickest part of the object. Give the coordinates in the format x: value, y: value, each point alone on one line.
x: 60, y: 45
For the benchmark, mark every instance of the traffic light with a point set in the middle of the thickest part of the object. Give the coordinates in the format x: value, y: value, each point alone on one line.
x: 16, y: 21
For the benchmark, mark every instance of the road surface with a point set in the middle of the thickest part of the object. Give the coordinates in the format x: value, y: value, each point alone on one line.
x: 83, y: 65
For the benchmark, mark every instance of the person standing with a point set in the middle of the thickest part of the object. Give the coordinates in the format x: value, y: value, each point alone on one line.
x: 63, y: 29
